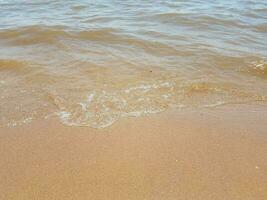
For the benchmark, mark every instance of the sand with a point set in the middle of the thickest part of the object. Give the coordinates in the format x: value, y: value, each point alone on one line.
x: 218, y: 153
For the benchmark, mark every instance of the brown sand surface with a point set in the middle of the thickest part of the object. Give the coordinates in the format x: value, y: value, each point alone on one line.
x: 218, y: 153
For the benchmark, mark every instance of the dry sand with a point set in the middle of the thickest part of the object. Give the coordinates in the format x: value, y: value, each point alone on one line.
x: 190, y: 154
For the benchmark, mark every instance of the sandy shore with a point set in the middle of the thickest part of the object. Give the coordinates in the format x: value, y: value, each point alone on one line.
x: 202, y: 154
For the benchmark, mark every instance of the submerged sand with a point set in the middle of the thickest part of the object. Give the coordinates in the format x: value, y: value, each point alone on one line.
x: 218, y: 153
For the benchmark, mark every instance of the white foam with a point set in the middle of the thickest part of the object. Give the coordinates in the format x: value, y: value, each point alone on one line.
x: 20, y: 122
x: 86, y: 104
x: 218, y: 103
x: 64, y: 115
x: 148, y: 87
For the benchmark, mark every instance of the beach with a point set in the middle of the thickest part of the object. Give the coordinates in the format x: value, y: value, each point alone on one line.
x: 217, y: 153
x: 133, y: 100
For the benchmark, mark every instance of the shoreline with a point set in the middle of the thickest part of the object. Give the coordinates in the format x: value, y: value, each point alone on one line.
x: 207, y: 153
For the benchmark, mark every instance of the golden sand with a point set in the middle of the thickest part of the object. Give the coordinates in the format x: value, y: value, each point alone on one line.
x: 203, y: 154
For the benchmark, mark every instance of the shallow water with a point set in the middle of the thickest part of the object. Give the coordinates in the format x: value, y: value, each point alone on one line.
x: 91, y: 63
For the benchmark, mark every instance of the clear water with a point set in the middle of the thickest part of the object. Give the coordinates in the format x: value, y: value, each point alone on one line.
x: 93, y: 62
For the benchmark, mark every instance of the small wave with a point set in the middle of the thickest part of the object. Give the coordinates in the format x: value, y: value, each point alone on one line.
x: 170, y: 18
x: 212, y: 20
x: 33, y: 35
x: 98, y: 34
x: 16, y: 67
x: 78, y: 7
x: 262, y: 28
x: 20, y: 69
x: 258, y: 68
x: 52, y: 35
x: 101, y: 108
x: 8, y: 64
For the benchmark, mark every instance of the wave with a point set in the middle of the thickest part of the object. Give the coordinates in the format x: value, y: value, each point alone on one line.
x: 59, y: 37
x: 258, y: 68
x: 101, y: 108
x: 9, y: 64
x: 15, y: 67
x: 86, y: 101
x: 31, y: 35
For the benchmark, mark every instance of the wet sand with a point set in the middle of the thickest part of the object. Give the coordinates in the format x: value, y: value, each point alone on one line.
x: 218, y: 153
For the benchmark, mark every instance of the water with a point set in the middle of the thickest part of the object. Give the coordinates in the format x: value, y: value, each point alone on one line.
x: 91, y: 63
